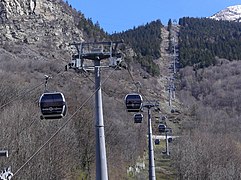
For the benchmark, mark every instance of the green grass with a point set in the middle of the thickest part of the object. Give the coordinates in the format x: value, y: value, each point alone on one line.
x: 163, y: 163
x: 164, y: 170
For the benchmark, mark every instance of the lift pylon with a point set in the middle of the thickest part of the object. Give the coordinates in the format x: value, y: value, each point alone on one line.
x: 97, y: 51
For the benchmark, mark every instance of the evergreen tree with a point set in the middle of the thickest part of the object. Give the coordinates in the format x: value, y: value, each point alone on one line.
x: 169, y: 25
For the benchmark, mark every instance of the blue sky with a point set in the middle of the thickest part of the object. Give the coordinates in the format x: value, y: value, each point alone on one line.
x: 116, y: 16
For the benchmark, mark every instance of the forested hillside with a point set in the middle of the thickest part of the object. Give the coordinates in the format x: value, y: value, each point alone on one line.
x: 209, y: 89
x: 202, y: 41
x: 145, y: 41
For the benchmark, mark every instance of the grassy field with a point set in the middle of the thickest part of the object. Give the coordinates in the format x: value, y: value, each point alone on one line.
x: 164, y: 170
x: 163, y: 163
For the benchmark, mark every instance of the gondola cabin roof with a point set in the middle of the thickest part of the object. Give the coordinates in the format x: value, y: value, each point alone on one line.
x: 133, y: 102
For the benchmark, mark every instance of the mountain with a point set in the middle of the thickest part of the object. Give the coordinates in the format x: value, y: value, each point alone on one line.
x: 209, y: 87
x: 221, y: 39
x: 231, y: 13
x: 45, y: 22
x: 34, y: 41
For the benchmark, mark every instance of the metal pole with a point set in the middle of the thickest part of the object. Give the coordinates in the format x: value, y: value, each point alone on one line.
x: 170, y: 98
x: 167, y: 147
x: 173, y: 90
x: 101, y: 162
x: 152, y: 173
x: 174, y: 55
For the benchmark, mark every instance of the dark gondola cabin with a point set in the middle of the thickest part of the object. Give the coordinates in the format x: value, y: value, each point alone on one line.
x: 52, y: 105
x: 162, y: 128
x: 157, y: 141
x: 133, y: 102
x: 138, y: 118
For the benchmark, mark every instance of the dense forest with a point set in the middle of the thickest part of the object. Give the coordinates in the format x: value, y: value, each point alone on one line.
x: 91, y: 30
x: 145, y: 41
x: 203, y: 40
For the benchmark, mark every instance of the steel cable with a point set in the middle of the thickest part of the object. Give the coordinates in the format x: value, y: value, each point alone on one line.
x: 71, y: 117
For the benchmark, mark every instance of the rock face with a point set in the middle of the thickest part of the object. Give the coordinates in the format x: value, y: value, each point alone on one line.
x: 45, y: 22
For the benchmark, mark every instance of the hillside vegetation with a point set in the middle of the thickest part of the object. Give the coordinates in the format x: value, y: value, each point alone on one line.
x: 210, y: 144
x: 35, y: 44
x: 202, y: 41
x: 209, y: 88
x: 145, y: 40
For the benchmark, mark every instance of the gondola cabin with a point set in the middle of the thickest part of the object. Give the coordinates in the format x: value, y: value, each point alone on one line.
x: 52, y: 105
x: 157, y: 141
x: 138, y: 118
x: 162, y: 128
x: 133, y: 102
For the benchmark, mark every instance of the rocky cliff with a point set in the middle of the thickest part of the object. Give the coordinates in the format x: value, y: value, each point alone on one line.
x: 45, y: 22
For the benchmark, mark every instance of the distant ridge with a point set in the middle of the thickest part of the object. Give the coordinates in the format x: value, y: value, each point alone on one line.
x: 231, y: 13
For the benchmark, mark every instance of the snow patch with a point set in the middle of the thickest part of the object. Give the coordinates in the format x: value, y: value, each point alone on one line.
x: 231, y: 13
